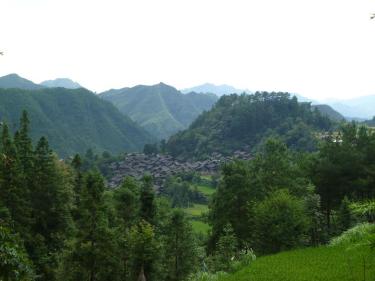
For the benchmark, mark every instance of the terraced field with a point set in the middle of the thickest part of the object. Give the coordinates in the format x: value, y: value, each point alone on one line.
x: 197, y: 211
x: 312, y: 264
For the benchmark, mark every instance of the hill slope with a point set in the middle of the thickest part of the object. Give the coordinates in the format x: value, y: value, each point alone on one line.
x: 239, y: 121
x: 61, y: 82
x: 329, y: 112
x: 15, y: 81
x: 160, y: 109
x: 73, y: 120
x: 360, y: 108
x: 318, y: 264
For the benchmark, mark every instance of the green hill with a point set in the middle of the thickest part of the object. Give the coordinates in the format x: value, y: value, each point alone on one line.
x: 15, y: 81
x: 73, y: 120
x: 312, y: 264
x: 160, y: 109
x: 239, y: 121
x: 329, y: 112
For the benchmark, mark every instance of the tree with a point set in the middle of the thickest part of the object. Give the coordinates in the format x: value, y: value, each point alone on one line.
x: 344, y: 215
x: 280, y: 222
x: 51, y: 208
x: 144, y: 249
x: 92, y: 256
x: 181, y: 256
x: 150, y: 149
x: 147, y: 210
x: 127, y: 202
x: 226, y: 249
x: 316, y: 229
x: 14, y: 262
x: 232, y: 204
x: 15, y: 195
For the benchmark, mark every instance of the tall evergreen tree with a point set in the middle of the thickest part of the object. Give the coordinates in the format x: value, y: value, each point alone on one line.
x: 13, y: 195
x: 51, y: 202
x: 147, y: 210
x: 92, y: 257
x: 181, y: 255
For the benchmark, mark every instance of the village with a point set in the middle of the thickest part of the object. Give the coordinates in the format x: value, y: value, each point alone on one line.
x: 161, y: 166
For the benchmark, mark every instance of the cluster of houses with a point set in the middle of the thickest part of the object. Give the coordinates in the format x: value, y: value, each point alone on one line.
x: 161, y: 167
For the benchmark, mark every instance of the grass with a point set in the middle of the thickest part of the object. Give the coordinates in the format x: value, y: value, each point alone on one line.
x: 311, y: 264
x: 206, y: 190
x: 200, y: 226
x: 196, y: 210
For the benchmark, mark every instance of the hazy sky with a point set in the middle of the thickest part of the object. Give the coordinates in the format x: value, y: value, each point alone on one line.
x: 317, y: 48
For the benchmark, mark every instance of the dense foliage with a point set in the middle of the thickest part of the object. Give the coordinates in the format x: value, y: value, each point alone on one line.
x: 236, y: 122
x: 58, y: 221
x: 72, y: 120
x: 160, y: 109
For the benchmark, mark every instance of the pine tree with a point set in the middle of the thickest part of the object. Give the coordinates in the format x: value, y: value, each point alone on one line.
x: 11, y: 189
x: 51, y: 202
x: 181, y: 254
x: 144, y: 250
x: 78, y: 184
x: 147, y: 197
x: 345, y: 217
x: 127, y: 208
x: 24, y: 148
x: 225, y: 249
x: 93, y: 254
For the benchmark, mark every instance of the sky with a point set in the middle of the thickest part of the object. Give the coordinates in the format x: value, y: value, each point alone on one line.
x: 317, y: 48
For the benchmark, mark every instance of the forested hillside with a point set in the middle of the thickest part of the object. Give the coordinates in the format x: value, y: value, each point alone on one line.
x: 160, y: 109
x: 59, y: 222
x: 237, y: 121
x: 73, y: 120
x: 328, y: 111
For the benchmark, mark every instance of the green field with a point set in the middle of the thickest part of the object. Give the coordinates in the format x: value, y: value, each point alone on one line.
x: 196, y: 210
x: 200, y: 226
x: 206, y: 190
x: 312, y: 264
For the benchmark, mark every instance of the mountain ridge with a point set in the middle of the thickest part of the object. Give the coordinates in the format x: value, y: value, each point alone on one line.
x: 73, y: 120
x: 61, y: 82
x: 160, y: 109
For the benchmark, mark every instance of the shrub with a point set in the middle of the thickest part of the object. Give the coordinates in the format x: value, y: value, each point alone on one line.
x: 361, y: 233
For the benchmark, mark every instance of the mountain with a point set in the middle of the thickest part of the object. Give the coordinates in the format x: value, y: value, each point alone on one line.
x: 328, y: 111
x: 241, y: 121
x: 218, y: 90
x: 357, y: 108
x: 160, y: 109
x: 15, y: 81
x: 61, y: 82
x: 72, y: 120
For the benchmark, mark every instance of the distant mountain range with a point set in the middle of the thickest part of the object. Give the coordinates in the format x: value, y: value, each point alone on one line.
x: 356, y: 108
x: 72, y: 120
x: 218, y: 90
x: 16, y: 81
x: 61, y: 82
x: 160, y: 109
